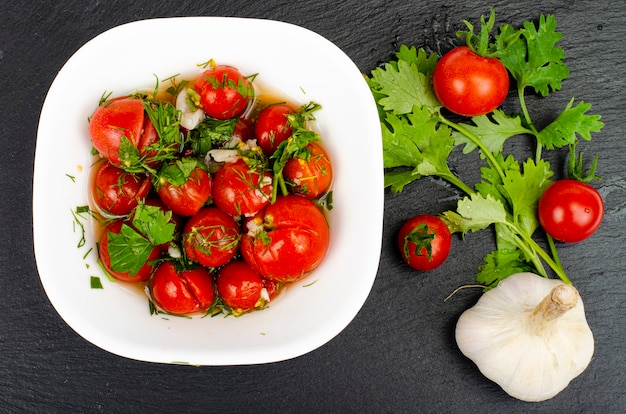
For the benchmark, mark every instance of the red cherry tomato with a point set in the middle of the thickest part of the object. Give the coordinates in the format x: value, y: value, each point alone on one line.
x: 309, y: 177
x: 182, y: 292
x: 146, y: 270
x: 118, y: 192
x: 211, y: 237
x: 122, y: 117
x: 224, y: 92
x: 286, y: 240
x: 424, y: 242
x: 468, y: 84
x: 272, y: 127
x: 239, y: 189
x: 570, y: 211
x: 188, y: 198
x: 240, y: 287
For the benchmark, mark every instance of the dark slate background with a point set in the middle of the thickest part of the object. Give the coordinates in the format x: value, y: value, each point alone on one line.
x: 399, y: 354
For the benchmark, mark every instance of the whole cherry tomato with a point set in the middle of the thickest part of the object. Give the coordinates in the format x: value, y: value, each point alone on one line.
x: 144, y: 272
x: 424, y: 242
x: 272, y: 127
x: 184, y: 187
x: 570, y: 210
x: 224, y: 92
x: 211, y: 237
x: 310, y: 176
x: 239, y: 189
x: 286, y: 240
x: 182, y: 292
x: 468, y: 84
x: 116, y: 191
x: 240, y: 287
x: 114, y: 120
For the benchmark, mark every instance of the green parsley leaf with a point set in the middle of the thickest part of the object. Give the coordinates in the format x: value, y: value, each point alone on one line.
x: 404, y: 86
x: 95, y: 282
x: 524, y: 189
x: 492, y: 130
x: 499, y: 265
x: 154, y: 223
x: 128, y: 250
x: 178, y: 172
x: 475, y: 213
x: 533, y: 58
x: 568, y: 125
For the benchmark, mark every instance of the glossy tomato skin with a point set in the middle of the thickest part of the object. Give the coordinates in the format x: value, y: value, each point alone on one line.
x: 570, y: 211
x: 423, y: 227
x: 468, y: 84
x: 309, y: 177
x: 224, y: 92
x: 293, y: 242
x: 181, y: 292
x: 117, y: 192
x: 211, y: 237
x: 272, y: 127
x: 240, y: 287
x: 146, y: 270
x: 240, y: 189
x: 113, y: 120
x: 187, y: 199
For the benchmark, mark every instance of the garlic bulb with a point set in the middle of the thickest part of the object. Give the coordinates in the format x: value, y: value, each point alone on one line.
x: 529, y: 335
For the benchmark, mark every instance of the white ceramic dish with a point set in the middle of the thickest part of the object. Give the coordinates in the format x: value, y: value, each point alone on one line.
x: 294, y: 61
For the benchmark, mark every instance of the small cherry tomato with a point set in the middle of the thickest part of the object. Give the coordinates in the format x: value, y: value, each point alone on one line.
x: 182, y: 292
x: 239, y: 189
x: 105, y: 257
x: 310, y: 176
x: 241, y: 287
x: 286, y: 240
x: 113, y: 120
x: 224, y: 92
x: 424, y: 242
x: 184, y: 190
x: 211, y: 237
x: 272, y: 127
x: 118, y: 192
x: 468, y: 84
x: 570, y: 210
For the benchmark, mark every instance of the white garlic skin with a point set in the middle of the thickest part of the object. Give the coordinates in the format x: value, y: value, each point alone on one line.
x: 500, y: 336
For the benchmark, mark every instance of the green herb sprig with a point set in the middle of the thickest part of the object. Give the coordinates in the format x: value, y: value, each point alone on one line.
x: 418, y: 139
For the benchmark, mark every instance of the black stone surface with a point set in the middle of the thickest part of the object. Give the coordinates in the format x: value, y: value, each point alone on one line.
x: 399, y: 353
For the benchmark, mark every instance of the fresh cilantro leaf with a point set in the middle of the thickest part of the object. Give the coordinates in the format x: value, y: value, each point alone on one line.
x: 178, y: 172
x: 424, y: 62
x: 533, y: 58
x: 128, y: 250
x: 523, y: 189
x: 418, y: 141
x: 499, y: 265
x: 403, y: 86
x: 569, y: 124
x: 154, y: 223
x: 492, y: 130
x: 397, y: 179
x: 474, y: 213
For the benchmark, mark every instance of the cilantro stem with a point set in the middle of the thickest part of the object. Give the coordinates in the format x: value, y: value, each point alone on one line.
x: 492, y: 160
x: 529, y: 122
x: 555, y: 265
x: 454, y: 180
